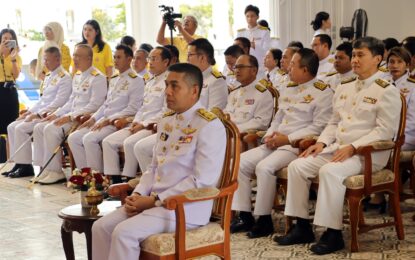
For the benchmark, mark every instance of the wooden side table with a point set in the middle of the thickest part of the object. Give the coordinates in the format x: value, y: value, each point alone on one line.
x: 76, y: 218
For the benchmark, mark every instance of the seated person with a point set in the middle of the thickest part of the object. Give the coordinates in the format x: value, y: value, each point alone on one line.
x: 232, y: 53
x: 342, y: 64
x: 272, y: 63
x: 306, y: 114
x: 365, y: 110
x: 321, y: 44
x: 180, y: 162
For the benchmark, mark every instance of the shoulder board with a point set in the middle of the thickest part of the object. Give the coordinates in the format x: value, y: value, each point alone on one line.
x: 146, y: 76
x: 291, y: 84
x: 47, y: 74
x: 331, y: 73
x: 411, y: 80
x: 331, y: 60
x: 260, y: 88
x: 208, y: 116
x: 262, y: 27
x: 383, y: 83
x: 265, y: 83
x: 78, y: 72
x: 115, y: 75
x: 281, y: 72
x: 383, y: 69
x: 169, y: 113
x: 94, y: 73
x: 241, y: 30
x: 132, y: 75
x: 320, y: 85
x: 348, y: 80
x: 217, y: 74
x: 61, y: 74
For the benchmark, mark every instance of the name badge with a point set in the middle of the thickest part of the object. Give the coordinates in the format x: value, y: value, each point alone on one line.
x: 185, y: 139
x: 370, y: 100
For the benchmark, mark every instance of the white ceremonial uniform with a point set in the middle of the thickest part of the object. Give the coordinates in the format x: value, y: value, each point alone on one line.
x: 276, y: 76
x: 230, y: 79
x: 325, y: 66
x: 89, y: 89
x: 214, y: 92
x: 154, y: 106
x: 363, y: 112
x: 321, y: 31
x: 385, y: 74
x: 250, y: 106
x: 406, y: 86
x: 334, y: 79
x: 303, y: 111
x: 57, y: 87
x: 261, y: 36
x: 188, y: 156
x: 125, y: 97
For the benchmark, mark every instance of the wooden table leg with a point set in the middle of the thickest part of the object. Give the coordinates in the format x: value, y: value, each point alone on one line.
x: 67, y: 242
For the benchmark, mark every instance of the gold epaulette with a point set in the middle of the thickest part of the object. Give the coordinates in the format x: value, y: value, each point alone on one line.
x: 47, y: 74
x: 208, y: 116
x: 281, y: 72
x: 217, y: 74
x: 411, y: 80
x: 262, y: 27
x: 331, y: 60
x: 146, y: 76
x: 291, y: 84
x: 383, y: 83
x: 78, y: 72
x: 331, y: 73
x: 260, y: 88
x: 132, y: 75
x: 383, y: 69
x: 61, y: 74
x: 241, y: 30
x: 320, y: 85
x: 115, y: 75
x: 94, y: 73
x: 348, y: 80
x: 169, y: 113
x: 266, y: 83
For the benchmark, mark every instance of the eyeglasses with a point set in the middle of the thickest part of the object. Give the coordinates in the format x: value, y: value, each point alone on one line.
x: 238, y: 67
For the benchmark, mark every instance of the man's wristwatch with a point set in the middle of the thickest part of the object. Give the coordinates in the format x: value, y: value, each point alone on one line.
x: 157, y: 201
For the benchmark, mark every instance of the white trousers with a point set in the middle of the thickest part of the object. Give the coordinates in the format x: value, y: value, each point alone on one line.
x: 331, y: 191
x: 116, y: 236
x: 264, y: 163
x: 111, y: 145
x: 86, y: 147
x: 38, y: 144
x: 143, y: 151
x: 18, y: 134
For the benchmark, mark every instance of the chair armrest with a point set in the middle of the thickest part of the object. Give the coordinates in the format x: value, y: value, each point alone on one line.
x: 251, y: 138
x: 120, y: 190
x: 305, y: 142
x: 375, y: 146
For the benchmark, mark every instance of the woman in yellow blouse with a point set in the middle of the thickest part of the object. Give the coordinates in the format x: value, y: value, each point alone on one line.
x: 10, y: 64
x: 54, y: 36
x: 91, y: 35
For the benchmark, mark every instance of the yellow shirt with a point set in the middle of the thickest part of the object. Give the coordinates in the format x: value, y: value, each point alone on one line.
x: 181, y: 44
x: 6, y: 68
x: 102, y: 59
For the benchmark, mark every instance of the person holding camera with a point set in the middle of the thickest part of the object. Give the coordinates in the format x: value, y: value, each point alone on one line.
x: 10, y: 65
x: 186, y: 35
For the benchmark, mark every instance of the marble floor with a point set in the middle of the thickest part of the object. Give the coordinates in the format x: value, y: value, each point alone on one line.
x: 30, y: 229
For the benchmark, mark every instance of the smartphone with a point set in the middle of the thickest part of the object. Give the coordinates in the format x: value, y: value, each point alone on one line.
x: 11, y: 44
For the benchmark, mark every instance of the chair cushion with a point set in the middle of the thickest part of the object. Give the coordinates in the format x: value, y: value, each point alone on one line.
x: 164, y: 243
x: 406, y: 156
x: 378, y: 178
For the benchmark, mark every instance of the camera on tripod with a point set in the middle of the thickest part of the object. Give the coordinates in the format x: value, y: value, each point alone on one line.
x: 169, y: 16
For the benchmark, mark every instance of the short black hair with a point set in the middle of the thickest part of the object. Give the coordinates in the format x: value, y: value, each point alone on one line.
x: 400, y: 52
x: 277, y: 55
x: 145, y: 46
x: 193, y: 75
x: 127, y: 50
x: 252, y: 8
x: 346, y: 47
x: 297, y: 44
x: 390, y: 43
x: 410, y: 46
x: 324, y: 38
x: 264, y: 23
x: 253, y: 61
x: 375, y: 46
x: 318, y: 20
x: 245, y: 42
x: 408, y: 39
x: 54, y: 50
x: 165, y: 53
x: 234, y: 51
x: 174, y: 51
x: 204, y: 46
x: 128, y: 40
x: 309, y: 59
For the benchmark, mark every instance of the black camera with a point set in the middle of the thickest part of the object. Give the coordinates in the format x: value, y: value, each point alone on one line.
x: 169, y: 16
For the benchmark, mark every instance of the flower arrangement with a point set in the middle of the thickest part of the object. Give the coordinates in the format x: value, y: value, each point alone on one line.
x: 83, y: 178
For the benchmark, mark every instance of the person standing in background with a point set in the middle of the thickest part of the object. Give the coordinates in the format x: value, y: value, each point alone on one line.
x: 321, y: 23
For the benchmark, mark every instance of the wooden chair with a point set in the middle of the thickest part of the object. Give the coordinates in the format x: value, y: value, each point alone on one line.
x: 213, y: 238
x: 405, y: 160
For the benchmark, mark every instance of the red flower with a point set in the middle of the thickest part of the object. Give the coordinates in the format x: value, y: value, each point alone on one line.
x: 77, y: 179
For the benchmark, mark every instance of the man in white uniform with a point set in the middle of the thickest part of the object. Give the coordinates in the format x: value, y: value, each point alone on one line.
x: 152, y: 110
x: 185, y: 157
x: 342, y: 64
x: 139, y: 64
x: 89, y: 88
x: 365, y: 110
x: 304, y: 112
x: 125, y: 97
x: 321, y: 44
x: 57, y: 87
x: 232, y: 53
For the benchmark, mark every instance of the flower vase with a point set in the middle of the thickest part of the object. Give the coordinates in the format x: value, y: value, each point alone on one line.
x: 84, y: 204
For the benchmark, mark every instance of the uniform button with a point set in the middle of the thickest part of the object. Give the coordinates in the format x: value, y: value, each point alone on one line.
x: 342, y: 130
x: 158, y: 178
x: 349, y: 117
x: 354, y: 103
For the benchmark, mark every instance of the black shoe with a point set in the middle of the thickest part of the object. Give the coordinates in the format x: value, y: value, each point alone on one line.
x: 24, y: 170
x: 242, y: 223
x: 15, y: 167
x: 262, y: 228
x: 329, y: 242
x: 296, y: 235
x: 375, y: 206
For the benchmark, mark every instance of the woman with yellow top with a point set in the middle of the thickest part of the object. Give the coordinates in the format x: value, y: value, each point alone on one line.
x: 10, y: 64
x: 54, y: 36
x: 91, y: 35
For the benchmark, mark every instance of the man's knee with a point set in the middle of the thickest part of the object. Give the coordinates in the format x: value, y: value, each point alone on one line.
x: 264, y: 170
